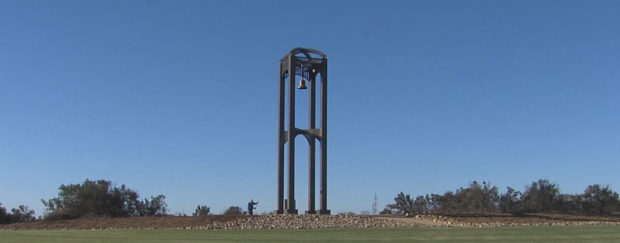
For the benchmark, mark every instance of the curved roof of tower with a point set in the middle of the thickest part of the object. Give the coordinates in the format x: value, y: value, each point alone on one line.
x: 307, y: 52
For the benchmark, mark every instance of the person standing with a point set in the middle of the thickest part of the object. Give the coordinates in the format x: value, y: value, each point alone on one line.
x: 251, y: 207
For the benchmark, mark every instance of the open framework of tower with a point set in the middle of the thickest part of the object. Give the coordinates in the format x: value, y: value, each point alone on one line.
x: 306, y: 64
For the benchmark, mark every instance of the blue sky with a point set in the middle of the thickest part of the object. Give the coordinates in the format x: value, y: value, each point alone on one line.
x: 180, y: 97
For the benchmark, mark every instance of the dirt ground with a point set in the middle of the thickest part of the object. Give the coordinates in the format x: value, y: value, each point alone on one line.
x: 171, y: 222
x: 164, y: 222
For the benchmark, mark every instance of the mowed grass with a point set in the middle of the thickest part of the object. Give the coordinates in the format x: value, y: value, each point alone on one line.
x: 512, y: 234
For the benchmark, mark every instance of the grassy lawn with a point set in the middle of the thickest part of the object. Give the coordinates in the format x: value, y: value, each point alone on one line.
x: 512, y: 234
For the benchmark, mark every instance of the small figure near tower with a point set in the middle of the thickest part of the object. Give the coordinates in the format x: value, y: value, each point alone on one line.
x: 251, y: 207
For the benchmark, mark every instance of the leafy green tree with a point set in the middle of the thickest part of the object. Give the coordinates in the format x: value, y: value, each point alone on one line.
x: 19, y: 214
x: 76, y: 200
x: 100, y: 198
x: 570, y: 203
x: 510, y: 202
x: 403, y: 204
x: 202, y: 210
x: 444, y: 204
x: 5, y: 217
x: 541, y: 196
x: 600, y: 200
x: 155, y: 207
x: 434, y: 203
x: 123, y: 202
x: 22, y: 214
x: 420, y: 205
x: 477, y: 198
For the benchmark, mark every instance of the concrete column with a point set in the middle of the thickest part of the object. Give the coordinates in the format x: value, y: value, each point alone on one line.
x: 312, y: 148
x: 324, y: 209
x: 281, y: 83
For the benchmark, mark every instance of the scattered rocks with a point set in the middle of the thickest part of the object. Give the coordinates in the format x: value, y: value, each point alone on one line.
x: 509, y: 221
x: 221, y: 222
x: 309, y: 222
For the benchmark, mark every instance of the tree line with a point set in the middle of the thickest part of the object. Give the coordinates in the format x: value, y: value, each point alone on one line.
x: 19, y: 214
x: 482, y: 198
x: 91, y: 198
x: 100, y: 198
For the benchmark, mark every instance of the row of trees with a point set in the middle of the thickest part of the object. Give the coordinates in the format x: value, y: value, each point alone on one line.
x: 482, y: 198
x: 203, y: 210
x: 19, y: 214
x: 101, y: 198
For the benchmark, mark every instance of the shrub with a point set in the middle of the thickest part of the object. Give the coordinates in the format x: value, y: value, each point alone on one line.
x: 155, y: 207
x: 233, y: 210
x: 202, y: 210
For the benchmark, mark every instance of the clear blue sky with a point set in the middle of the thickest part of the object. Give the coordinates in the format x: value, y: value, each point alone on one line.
x: 180, y: 97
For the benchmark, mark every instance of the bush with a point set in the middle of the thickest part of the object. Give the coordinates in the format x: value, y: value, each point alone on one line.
x: 202, y: 210
x: 233, y: 210
x: 155, y: 207
x: 386, y: 210
x: 347, y: 214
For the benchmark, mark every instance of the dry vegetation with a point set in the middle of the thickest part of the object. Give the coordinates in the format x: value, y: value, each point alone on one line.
x: 310, y: 221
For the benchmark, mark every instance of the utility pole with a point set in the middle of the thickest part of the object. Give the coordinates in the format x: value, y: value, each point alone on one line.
x: 374, y: 205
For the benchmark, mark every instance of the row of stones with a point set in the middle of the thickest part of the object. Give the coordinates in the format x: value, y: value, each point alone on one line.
x: 451, y: 222
x: 305, y: 222
x: 344, y: 221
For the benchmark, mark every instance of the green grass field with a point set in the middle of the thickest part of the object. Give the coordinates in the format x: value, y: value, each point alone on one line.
x: 513, y: 234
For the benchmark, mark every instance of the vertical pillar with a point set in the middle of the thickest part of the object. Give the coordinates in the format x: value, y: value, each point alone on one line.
x: 291, y: 136
x: 324, y: 139
x: 281, y: 142
x: 312, y: 147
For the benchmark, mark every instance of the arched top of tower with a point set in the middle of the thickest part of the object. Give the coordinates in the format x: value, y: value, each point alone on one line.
x: 307, y: 52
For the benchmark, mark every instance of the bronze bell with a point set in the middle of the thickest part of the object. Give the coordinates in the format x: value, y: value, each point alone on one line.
x: 302, y: 84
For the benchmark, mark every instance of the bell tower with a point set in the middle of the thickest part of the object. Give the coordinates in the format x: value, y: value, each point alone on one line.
x: 306, y: 64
